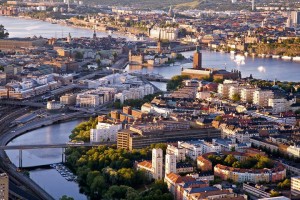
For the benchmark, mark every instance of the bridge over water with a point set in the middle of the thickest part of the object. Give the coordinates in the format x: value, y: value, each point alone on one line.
x: 50, y: 146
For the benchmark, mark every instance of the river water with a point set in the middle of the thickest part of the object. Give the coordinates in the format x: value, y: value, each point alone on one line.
x: 19, y: 27
x: 49, y: 179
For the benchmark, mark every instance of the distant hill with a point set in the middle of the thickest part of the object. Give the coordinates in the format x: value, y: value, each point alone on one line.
x: 144, y: 4
x: 212, y: 4
x: 188, y: 4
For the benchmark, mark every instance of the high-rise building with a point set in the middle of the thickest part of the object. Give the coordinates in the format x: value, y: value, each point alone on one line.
x: 295, y: 17
x: 197, y: 62
x: 295, y: 186
x: 170, y: 165
x: 253, y: 5
x: 157, y: 163
x: 4, y: 181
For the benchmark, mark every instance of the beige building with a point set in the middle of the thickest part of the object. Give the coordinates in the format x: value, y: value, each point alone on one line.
x: 247, y: 94
x: 234, y: 90
x: 261, y: 97
x: 4, y: 189
x: 87, y: 100
x: 223, y: 89
x: 68, y: 99
x: 295, y: 186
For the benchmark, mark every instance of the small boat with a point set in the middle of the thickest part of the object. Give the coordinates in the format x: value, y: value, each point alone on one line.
x: 268, y: 56
x: 296, y: 58
x: 286, y: 57
x: 276, y: 56
x: 232, y: 52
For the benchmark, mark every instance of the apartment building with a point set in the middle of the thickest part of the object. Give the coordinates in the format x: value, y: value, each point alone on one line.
x: 246, y: 94
x: 295, y: 186
x: 105, y: 132
x: 261, y: 97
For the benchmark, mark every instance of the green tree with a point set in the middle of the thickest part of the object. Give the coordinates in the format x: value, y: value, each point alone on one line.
x: 229, y: 160
x: 78, y: 55
x: 236, y: 97
x: 219, y: 118
x: 176, y: 81
x: 274, y: 193
x: 3, y: 33
x: 98, y: 187
x: 65, y: 197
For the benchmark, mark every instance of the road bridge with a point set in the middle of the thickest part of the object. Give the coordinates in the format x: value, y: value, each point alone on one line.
x: 53, y: 146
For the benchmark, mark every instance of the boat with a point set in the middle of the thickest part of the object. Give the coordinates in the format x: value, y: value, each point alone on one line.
x: 246, y: 54
x: 276, y: 56
x: 286, y: 57
x: 232, y: 52
x: 268, y: 56
x: 296, y: 58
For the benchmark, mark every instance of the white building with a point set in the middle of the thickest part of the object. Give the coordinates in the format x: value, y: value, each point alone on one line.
x: 294, y: 150
x: 53, y: 105
x: 157, y: 163
x: 168, y: 33
x: 196, y: 148
x: 223, y: 89
x: 170, y: 164
x: 105, y: 132
x: 177, y: 151
x: 295, y: 186
x: 261, y: 97
x: 135, y: 93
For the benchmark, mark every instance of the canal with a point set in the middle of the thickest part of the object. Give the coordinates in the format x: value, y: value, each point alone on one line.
x: 49, y: 179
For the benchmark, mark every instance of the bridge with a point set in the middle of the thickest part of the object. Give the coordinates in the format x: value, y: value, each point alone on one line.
x: 53, y: 146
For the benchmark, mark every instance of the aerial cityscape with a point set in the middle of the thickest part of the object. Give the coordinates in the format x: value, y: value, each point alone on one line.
x: 150, y: 100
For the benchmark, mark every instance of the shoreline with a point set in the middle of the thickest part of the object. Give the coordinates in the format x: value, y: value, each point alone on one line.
x: 115, y: 34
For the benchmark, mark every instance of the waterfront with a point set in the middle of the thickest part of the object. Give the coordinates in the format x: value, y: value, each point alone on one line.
x: 19, y: 27
x: 260, y: 68
x: 57, y: 186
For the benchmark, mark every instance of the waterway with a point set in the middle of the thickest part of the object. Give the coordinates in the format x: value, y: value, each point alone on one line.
x: 49, y: 179
x: 21, y: 27
x: 261, y: 68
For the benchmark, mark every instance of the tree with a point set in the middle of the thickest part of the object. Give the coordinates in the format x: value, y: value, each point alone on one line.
x: 176, y: 81
x: 274, y: 193
x: 98, y: 187
x: 78, y: 55
x: 219, y: 118
x: 229, y: 160
x: 236, y: 97
x: 286, y: 184
x: 3, y: 34
x: 65, y: 197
